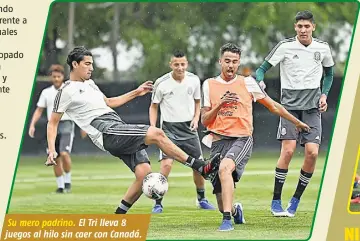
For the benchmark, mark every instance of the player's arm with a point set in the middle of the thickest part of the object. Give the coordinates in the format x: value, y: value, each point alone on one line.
x: 153, y: 113
x: 328, y: 64
x: 122, y: 99
x: 260, y: 72
x: 35, y: 118
x: 278, y: 109
x: 52, y: 127
x: 61, y: 104
x: 208, y: 113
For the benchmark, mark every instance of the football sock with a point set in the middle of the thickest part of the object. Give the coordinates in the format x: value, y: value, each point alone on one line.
x: 67, y: 177
x: 304, y: 180
x: 226, y: 216
x: 195, y: 164
x: 280, y: 176
x: 158, y: 201
x: 123, y: 207
x: 60, y: 182
x: 200, y: 193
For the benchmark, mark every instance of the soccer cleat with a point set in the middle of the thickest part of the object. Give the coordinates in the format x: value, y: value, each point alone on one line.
x: 292, y: 206
x: 239, y: 217
x: 356, y: 184
x: 211, y: 167
x: 67, y: 187
x: 276, y: 209
x: 204, y: 204
x: 59, y: 190
x: 226, y: 225
x: 157, y: 208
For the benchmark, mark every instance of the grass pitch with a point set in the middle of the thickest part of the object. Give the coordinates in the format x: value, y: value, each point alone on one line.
x: 99, y: 183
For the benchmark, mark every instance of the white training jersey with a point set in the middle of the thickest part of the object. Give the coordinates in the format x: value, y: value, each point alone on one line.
x: 83, y: 102
x: 176, y: 99
x: 251, y: 85
x: 301, y: 71
x: 301, y: 67
x: 46, y: 100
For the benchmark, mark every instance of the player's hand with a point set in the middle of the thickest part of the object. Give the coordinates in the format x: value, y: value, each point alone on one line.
x: 301, y: 126
x: 323, y: 104
x: 32, y: 131
x: 194, y: 125
x: 51, y: 159
x: 83, y: 134
x: 229, y: 98
x: 145, y: 88
x: 262, y: 85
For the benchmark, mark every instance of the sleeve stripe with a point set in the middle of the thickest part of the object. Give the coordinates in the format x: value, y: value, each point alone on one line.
x: 57, y: 101
x: 277, y: 46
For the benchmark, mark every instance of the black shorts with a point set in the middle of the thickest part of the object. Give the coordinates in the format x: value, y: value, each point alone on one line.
x: 125, y: 141
x: 239, y: 150
x: 312, y: 117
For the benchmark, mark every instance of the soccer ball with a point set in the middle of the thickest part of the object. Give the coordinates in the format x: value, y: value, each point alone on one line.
x: 155, y: 185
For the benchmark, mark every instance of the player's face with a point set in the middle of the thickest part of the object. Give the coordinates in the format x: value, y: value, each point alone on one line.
x: 57, y: 78
x: 179, y: 66
x: 84, y: 68
x: 304, y: 29
x: 229, y: 65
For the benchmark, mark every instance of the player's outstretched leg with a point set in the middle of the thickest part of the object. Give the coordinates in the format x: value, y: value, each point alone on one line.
x: 157, y: 136
x: 287, y: 150
x: 306, y: 172
x: 135, y: 190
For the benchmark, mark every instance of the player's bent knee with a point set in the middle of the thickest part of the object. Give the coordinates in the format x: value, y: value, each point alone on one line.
x: 141, y: 170
x: 154, y: 135
x: 226, y: 167
x: 312, y: 154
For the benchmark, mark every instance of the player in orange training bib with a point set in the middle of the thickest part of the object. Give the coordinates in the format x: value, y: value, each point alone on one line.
x: 227, y: 114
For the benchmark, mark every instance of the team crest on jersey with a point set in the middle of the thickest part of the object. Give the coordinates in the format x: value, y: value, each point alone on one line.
x: 190, y: 91
x: 317, y: 56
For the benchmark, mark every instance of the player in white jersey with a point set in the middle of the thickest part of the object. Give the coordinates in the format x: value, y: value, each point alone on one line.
x: 81, y: 99
x: 178, y: 94
x: 65, y: 134
x: 303, y: 60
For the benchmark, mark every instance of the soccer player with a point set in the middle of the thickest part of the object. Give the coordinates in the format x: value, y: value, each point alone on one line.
x: 65, y: 134
x: 303, y: 60
x: 227, y: 115
x: 81, y: 99
x: 178, y: 93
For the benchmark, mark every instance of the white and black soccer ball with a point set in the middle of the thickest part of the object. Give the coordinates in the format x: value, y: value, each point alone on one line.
x: 155, y: 185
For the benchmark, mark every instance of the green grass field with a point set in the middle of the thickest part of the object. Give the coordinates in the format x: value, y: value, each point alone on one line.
x: 99, y: 183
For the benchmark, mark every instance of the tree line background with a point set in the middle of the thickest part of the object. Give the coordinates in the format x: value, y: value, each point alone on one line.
x: 199, y: 28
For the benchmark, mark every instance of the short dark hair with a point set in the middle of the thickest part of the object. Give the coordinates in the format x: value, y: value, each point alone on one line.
x: 304, y: 15
x: 229, y: 47
x: 178, y: 53
x: 56, y: 68
x: 77, y: 54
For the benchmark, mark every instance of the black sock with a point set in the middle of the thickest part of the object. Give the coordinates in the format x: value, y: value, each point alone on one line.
x: 304, y: 180
x: 123, y: 207
x: 195, y: 164
x: 200, y: 193
x: 158, y: 201
x: 280, y: 176
x: 226, y: 216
